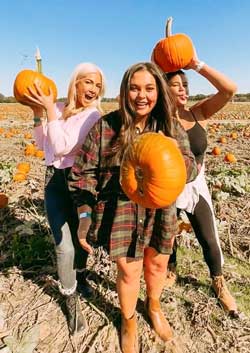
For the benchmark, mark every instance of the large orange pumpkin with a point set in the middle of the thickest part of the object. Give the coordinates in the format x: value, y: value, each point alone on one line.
x: 26, y: 79
x: 153, y: 171
x: 173, y: 52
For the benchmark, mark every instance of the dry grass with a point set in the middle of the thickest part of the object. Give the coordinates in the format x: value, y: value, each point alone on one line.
x: 32, y: 309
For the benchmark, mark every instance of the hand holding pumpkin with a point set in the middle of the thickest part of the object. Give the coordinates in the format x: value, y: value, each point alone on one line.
x: 26, y: 80
x: 194, y: 61
x: 38, y: 98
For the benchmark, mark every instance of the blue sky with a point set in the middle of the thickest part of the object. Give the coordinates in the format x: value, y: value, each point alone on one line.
x: 116, y: 34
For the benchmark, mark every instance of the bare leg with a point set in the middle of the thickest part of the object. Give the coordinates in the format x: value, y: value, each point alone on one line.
x: 155, y: 266
x: 128, y: 286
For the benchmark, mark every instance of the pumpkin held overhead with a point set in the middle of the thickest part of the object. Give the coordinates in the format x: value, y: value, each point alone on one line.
x: 173, y: 52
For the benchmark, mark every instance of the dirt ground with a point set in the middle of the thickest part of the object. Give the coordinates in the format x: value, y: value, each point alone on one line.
x: 32, y: 312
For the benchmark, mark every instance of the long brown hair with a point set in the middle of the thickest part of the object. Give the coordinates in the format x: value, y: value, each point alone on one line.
x: 162, y: 113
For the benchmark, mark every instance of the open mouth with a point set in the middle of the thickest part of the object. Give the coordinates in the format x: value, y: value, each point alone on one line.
x: 89, y: 97
x: 141, y: 105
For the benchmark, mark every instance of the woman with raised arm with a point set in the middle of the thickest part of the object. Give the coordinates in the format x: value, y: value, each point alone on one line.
x: 195, y: 199
x: 60, y: 135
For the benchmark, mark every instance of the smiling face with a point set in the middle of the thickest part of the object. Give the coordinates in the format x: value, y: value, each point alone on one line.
x: 143, y: 93
x: 178, y: 85
x: 88, y: 88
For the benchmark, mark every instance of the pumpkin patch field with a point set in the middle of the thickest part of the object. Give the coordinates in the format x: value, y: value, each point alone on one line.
x: 32, y: 312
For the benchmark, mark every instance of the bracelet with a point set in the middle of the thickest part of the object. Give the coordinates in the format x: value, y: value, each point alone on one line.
x: 37, y: 119
x: 84, y: 215
x: 199, y: 66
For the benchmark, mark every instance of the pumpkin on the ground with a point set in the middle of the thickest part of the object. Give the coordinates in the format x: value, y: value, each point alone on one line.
x: 39, y: 154
x: 25, y: 80
x: 222, y: 139
x: 23, y: 167
x: 216, y: 151
x: 234, y: 135
x: 30, y: 150
x: 4, y: 200
x: 173, y: 52
x: 27, y: 135
x: 230, y: 157
x: 185, y: 226
x: 153, y: 171
x: 19, y: 176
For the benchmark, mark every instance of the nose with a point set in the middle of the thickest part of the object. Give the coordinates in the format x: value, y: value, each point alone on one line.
x: 141, y: 93
x: 92, y: 88
x: 182, y: 88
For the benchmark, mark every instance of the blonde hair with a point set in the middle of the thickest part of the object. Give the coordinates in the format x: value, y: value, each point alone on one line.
x: 80, y: 71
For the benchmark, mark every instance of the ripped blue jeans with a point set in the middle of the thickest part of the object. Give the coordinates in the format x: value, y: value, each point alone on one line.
x: 63, y: 220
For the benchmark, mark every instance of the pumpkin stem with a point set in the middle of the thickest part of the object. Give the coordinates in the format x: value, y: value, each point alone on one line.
x: 38, y: 61
x: 169, y: 27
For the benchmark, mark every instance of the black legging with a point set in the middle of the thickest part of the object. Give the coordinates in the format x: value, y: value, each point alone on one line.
x: 203, y: 226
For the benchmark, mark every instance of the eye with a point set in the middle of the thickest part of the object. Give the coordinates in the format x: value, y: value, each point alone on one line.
x: 133, y: 88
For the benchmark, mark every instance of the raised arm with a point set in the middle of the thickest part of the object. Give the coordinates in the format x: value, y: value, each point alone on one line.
x: 226, y: 88
x: 39, y: 130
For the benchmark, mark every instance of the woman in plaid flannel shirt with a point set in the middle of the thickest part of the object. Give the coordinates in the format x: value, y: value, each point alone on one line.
x: 136, y: 238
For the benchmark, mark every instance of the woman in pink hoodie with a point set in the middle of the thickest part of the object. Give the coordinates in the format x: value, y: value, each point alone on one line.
x: 60, y: 135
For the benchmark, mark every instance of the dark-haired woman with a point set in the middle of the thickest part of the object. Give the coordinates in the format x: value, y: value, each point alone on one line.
x: 140, y: 239
x: 195, y: 199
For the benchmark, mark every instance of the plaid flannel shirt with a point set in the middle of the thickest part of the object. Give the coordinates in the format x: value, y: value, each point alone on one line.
x: 122, y: 226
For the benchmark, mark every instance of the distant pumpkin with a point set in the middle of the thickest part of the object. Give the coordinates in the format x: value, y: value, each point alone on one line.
x: 27, y: 136
x: 39, y: 154
x: 234, y: 135
x: 230, y: 157
x: 4, y: 200
x: 216, y: 151
x: 153, y: 171
x: 25, y: 80
x: 173, y: 52
x: 222, y: 139
x: 23, y: 167
x: 30, y: 150
x: 19, y: 176
x: 185, y: 226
